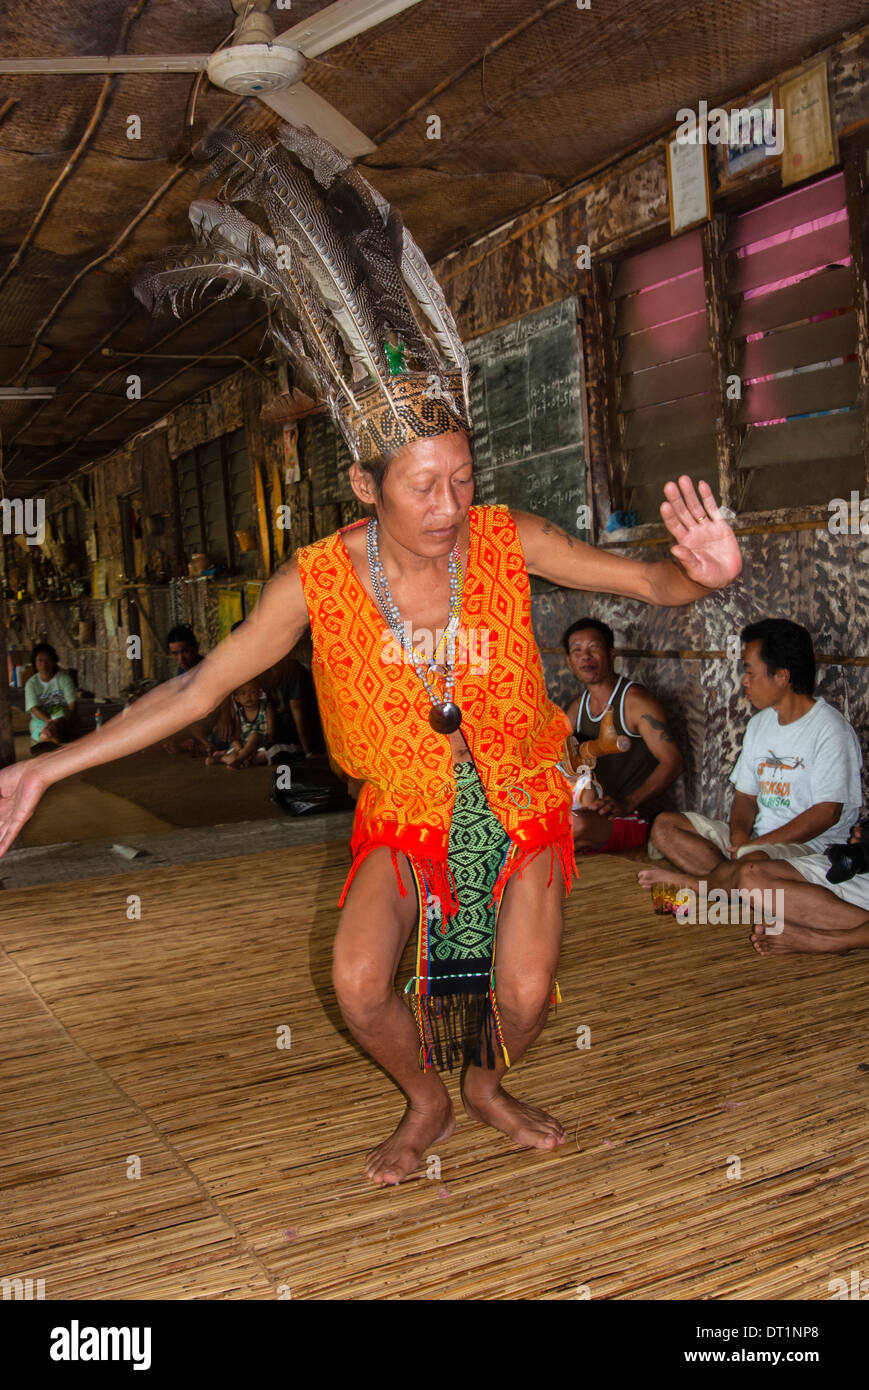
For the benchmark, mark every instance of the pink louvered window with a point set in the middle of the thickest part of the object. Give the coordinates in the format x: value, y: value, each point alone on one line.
x: 664, y: 371
x: 794, y: 337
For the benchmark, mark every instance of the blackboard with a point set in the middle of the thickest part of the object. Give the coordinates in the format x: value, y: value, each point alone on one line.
x: 327, y: 461
x: 526, y: 403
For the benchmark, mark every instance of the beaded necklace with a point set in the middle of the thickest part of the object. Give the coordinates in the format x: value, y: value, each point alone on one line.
x: 445, y: 716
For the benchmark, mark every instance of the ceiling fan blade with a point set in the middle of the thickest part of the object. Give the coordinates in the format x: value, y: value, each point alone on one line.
x: 27, y: 393
x: 339, y: 22
x: 125, y: 62
x: 301, y: 105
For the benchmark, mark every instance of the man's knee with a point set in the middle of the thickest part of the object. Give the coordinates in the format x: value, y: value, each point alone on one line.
x: 523, y: 998
x: 360, y: 984
x: 751, y: 873
x: 664, y: 825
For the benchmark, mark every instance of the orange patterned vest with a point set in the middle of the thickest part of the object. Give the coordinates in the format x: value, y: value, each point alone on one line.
x: 375, y: 711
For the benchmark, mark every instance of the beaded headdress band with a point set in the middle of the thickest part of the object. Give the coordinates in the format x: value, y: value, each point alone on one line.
x: 352, y: 302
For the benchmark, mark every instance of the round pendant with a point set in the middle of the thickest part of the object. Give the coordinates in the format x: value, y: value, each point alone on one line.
x: 445, y: 719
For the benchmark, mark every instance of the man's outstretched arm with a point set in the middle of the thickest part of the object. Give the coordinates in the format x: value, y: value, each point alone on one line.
x: 706, y: 555
x: 273, y: 628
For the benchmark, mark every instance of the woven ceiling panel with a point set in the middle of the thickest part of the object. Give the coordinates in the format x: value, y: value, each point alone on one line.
x: 531, y: 96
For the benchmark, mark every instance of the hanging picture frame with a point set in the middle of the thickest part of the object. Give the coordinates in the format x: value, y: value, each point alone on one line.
x: 229, y: 611
x: 755, y: 134
x: 688, y: 184
x: 810, y: 143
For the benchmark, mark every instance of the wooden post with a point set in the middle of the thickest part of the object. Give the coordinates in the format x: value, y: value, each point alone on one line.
x: 718, y: 329
x: 7, y: 742
x: 606, y: 456
x: 855, y: 198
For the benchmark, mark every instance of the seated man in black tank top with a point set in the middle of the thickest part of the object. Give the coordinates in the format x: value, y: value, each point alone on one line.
x: 629, y: 779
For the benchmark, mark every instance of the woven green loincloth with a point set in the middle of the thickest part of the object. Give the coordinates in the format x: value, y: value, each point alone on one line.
x: 453, y: 991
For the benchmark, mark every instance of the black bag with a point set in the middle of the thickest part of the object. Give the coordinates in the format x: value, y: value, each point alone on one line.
x: 314, y: 792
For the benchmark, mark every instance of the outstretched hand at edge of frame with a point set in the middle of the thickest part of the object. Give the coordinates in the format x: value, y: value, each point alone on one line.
x: 21, y: 789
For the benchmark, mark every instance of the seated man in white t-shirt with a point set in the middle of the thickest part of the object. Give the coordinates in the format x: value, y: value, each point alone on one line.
x: 797, y: 779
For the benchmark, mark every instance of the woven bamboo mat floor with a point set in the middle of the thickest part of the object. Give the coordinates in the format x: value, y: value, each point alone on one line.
x: 148, y: 792
x: 157, y: 1038
x: 144, y: 793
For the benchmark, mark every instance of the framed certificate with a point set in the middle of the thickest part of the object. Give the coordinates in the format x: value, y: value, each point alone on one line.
x: 810, y: 143
x: 688, y: 184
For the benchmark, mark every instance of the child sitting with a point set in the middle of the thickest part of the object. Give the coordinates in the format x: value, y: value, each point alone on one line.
x: 253, y: 726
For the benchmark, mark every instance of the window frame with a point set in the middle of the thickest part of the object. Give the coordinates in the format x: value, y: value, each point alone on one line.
x: 227, y: 520
x: 714, y: 234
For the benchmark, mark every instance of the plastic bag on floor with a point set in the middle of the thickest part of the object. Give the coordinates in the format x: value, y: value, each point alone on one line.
x: 312, y: 792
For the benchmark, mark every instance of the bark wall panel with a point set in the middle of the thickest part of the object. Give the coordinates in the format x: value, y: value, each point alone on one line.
x: 532, y: 265
x: 629, y: 201
x: 808, y: 576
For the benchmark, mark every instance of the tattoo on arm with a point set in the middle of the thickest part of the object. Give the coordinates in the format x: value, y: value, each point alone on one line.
x: 660, y: 728
x: 549, y: 529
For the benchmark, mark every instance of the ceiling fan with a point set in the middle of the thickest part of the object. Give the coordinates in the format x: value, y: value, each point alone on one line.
x: 257, y: 63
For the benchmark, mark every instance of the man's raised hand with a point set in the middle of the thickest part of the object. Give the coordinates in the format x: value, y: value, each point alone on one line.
x: 705, y: 545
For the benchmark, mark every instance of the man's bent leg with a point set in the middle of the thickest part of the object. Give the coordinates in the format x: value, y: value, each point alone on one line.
x: 675, y: 836
x: 372, y: 934
x: 815, y: 920
x: 529, y: 938
x: 728, y: 874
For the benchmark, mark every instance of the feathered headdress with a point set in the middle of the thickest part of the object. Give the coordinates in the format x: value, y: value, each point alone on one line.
x: 352, y: 301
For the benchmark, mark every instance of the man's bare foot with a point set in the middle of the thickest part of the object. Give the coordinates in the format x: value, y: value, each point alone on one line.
x: 792, y: 940
x: 647, y: 877
x: 529, y: 1126
x: 418, y: 1130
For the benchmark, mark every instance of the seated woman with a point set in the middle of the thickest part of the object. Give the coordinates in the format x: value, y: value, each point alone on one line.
x: 49, y: 699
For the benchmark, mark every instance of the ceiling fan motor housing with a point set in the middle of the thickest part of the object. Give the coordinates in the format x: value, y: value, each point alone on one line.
x: 252, y: 69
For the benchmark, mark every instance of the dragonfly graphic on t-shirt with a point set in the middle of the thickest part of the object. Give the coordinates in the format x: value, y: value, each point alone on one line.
x: 775, y: 791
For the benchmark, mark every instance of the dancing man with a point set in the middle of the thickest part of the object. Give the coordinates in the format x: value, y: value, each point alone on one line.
x: 428, y: 676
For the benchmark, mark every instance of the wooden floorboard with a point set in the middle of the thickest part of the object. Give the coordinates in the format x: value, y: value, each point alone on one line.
x: 157, y: 1037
